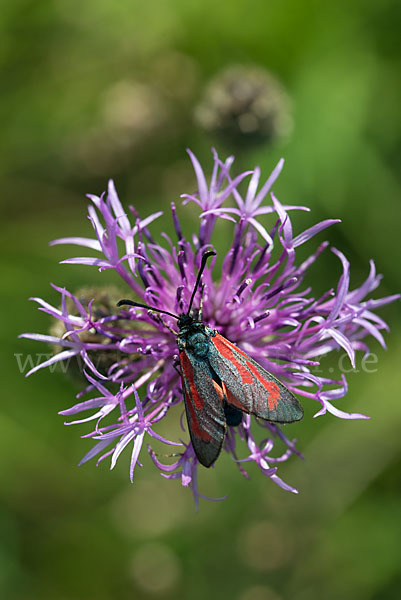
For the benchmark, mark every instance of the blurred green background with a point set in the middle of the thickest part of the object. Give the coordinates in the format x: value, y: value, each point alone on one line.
x: 99, y: 89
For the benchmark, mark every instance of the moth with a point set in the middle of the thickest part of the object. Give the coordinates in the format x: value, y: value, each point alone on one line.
x: 220, y: 382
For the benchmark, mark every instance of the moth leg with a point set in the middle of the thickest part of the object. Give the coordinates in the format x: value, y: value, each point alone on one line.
x: 158, y: 318
x: 175, y: 365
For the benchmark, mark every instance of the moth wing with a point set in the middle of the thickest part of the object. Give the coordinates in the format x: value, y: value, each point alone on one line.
x: 249, y: 387
x: 204, y: 408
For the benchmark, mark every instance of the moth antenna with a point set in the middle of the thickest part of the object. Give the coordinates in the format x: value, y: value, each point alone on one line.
x: 139, y: 305
x: 205, y: 256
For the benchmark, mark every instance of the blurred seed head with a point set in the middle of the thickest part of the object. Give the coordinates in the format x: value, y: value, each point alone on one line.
x: 245, y: 105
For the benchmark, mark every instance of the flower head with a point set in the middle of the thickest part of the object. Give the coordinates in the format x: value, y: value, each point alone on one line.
x: 245, y: 105
x: 256, y: 299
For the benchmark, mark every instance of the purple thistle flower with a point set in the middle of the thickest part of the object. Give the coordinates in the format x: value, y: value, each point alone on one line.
x: 258, y: 302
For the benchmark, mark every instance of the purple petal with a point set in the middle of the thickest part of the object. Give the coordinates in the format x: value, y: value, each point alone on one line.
x: 135, y: 454
x: 118, y: 210
x: 285, y: 221
x: 86, y: 405
x: 343, y: 342
x: 261, y: 230
x: 160, y: 465
x: 252, y: 187
x: 103, y: 412
x: 341, y: 414
x: 312, y: 231
x: 270, y: 182
x: 87, y: 261
x: 148, y: 220
x: 265, y: 210
x: 232, y: 186
x: 159, y: 437
x: 382, y: 301
x: 188, y: 197
x: 99, y: 386
x: 64, y: 355
x: 97, y: 226
x: 369, y: 285
x: 97, y: 448
x: 79, y: 241
x: 371, y: 329
x: 200, y: 176
x: 125, y: 440
x: 40, y: 337
x: 90, y: 364
x: 285, y: 486
x: 342, y: 288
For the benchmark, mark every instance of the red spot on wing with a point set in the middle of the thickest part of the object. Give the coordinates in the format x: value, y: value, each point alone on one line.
x: 187, y: 373
x: 196, y: 429
x: 225, y: 343
x: 228, y: 350
x: 270, y: 386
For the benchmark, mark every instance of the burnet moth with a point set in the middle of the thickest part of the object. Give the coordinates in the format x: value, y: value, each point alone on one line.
x: 220, y: 382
